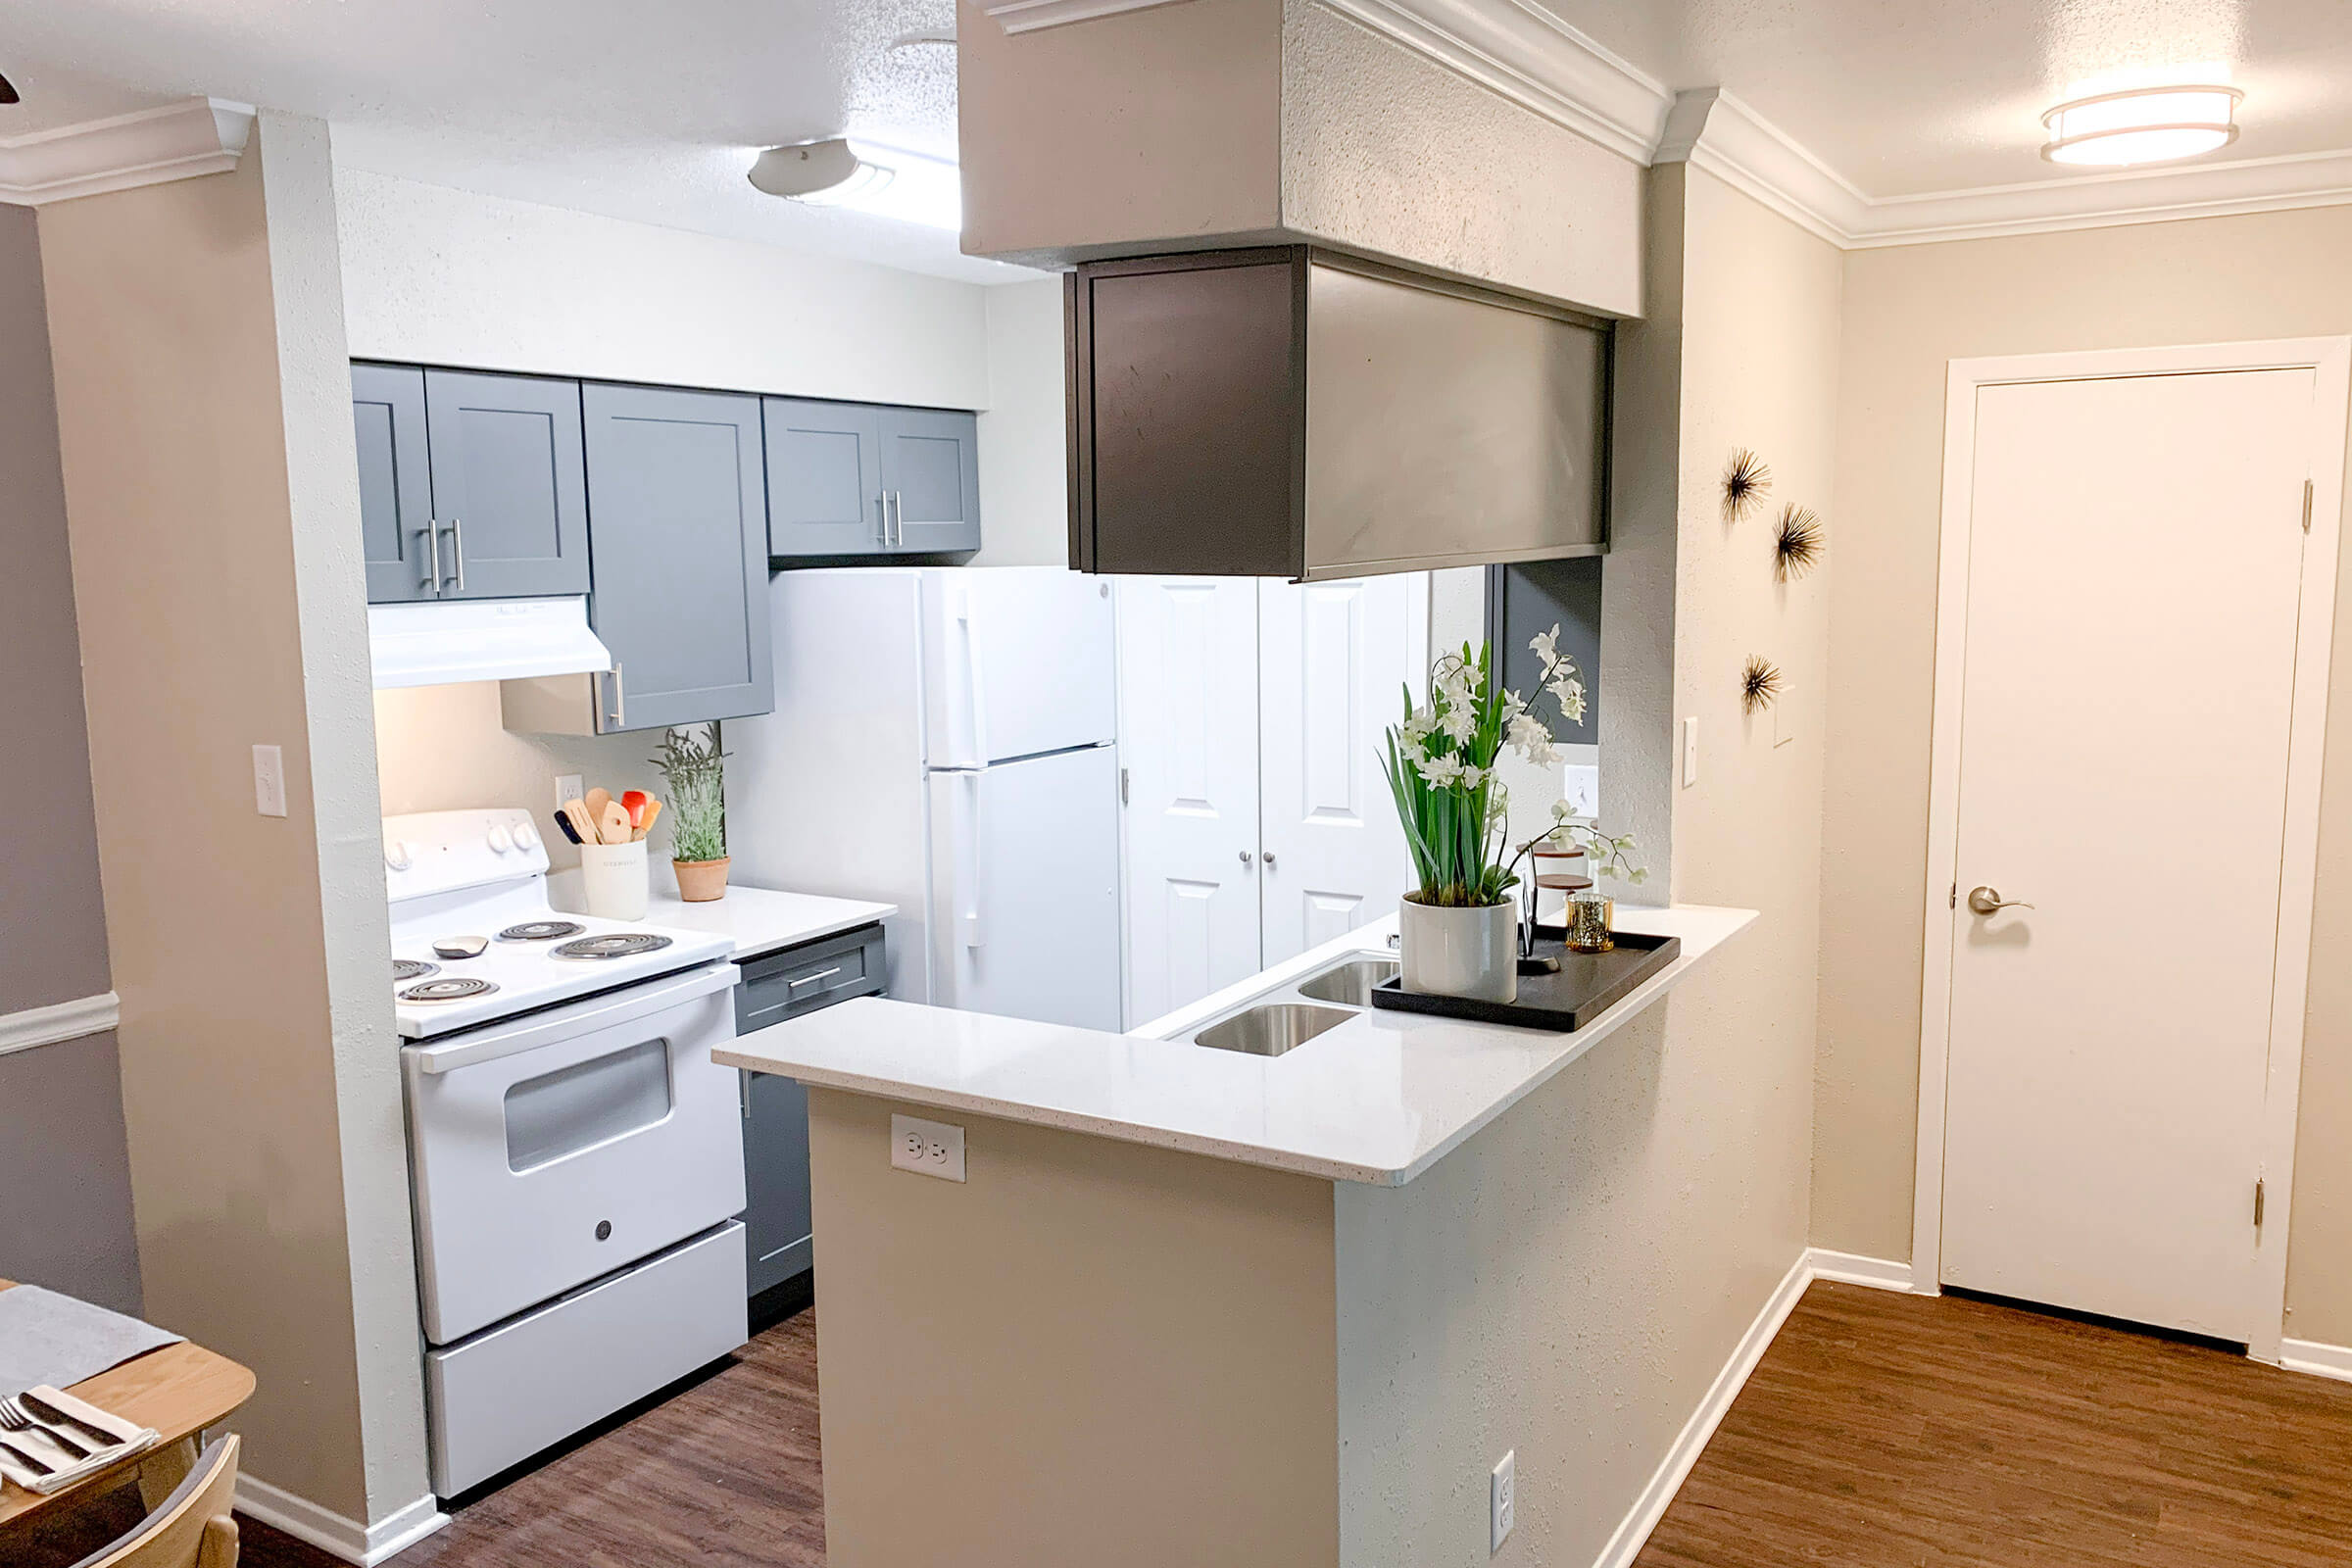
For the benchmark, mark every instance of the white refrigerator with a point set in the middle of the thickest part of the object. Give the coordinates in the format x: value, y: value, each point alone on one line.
x: 944, y: 738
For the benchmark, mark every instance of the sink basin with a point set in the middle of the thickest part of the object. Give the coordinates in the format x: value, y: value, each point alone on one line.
x: 1349, y: 983
x: 1272, y: 1029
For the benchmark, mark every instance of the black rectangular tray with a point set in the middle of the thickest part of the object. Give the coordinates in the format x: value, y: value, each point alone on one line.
x: 1587, y: 984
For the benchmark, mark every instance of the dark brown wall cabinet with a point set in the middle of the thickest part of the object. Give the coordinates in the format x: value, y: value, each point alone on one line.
x: 1289, y: 413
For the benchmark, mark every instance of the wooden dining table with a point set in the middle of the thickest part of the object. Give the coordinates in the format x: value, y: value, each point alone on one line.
x: 178, y: 1389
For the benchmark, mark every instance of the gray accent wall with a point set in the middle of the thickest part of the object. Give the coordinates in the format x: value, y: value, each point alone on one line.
x: 62, y: 1147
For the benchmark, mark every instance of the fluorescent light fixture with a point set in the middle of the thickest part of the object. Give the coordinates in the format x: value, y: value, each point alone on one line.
x: 2145, y: 126
x: 866, y: 176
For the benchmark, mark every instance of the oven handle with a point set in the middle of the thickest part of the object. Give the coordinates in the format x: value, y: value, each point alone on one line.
x: 569, y: 1023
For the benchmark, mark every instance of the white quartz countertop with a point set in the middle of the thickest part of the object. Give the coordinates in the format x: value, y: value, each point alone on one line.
x: 1380, y: 1098
x: 755, y: 919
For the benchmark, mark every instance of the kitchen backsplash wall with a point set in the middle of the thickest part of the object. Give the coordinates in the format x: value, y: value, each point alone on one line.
x: 445, y: 748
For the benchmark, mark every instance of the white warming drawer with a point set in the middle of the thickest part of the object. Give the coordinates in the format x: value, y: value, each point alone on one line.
x: 507, y: 1392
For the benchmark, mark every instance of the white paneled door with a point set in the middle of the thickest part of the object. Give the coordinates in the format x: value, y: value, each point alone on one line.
x: 1257, y: 819
x: 1335, y: 660
x: 1188, y: 706
x: 2134, y: 571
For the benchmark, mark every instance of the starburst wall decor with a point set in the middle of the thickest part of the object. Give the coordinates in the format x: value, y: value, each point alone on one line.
x: 1761, y: 686
x: 1799, y: 544
x: 1746, y: 481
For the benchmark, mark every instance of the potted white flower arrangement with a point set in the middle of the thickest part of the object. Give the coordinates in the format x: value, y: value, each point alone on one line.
x: 1459, y: 928
x: 695, y: 774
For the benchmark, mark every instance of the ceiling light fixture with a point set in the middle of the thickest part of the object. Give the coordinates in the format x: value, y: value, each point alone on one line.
x: 887, y: 181
x: 2145, y: 126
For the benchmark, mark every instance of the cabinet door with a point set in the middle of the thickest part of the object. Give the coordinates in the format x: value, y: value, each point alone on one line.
x: 508, y: 484
x: 931, y: 474
x: 824, y: 477
x: 775, y: 1179
x: 680, y: 550
x: 1335, y: 659
x: 395, y: 484
x: 1188, y: 737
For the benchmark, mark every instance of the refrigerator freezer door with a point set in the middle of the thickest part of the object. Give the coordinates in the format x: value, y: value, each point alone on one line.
x: 1017, y: 661
x: 1025, y: 909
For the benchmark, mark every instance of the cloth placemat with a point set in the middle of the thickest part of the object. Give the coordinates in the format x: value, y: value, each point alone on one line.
x: 55, y: 1339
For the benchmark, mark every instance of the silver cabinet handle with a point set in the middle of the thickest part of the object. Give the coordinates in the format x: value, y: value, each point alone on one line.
x: 1988, y: 901
x: 430, y: 533
x: 882, y: 511
x: 619, y: 711
x: 811, y: 979
x: 1246, y: 856
x: 1269, y: 859
x: 457, y: 548
x: 897, y: 518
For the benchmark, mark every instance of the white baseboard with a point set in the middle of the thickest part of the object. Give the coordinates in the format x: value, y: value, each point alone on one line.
x: 347, y: 1539
x: 1852, y: 1268
x: 1650, y: 1506
x: 2317, y: 1360
x: 1814, y: 1263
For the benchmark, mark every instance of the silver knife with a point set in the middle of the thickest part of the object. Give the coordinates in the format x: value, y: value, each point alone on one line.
x: 51, y: 1415
x: 28, y: 1460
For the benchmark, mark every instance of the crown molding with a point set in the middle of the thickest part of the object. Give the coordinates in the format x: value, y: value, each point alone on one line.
x: 1713, y: 130
x: 176, y: 141
x: 1028, y: 16
x: 1532, y: 58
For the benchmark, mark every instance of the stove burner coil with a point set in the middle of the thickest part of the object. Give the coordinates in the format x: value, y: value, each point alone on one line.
x: 412, y: 969
x: 541, y: 931
x: 456, y: 988
x: 616, y: 944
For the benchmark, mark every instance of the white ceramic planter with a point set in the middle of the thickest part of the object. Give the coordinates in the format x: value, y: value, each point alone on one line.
x: 1459, y: 952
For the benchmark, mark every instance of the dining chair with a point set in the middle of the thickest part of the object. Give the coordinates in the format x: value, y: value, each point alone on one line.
x: 192, y: 1528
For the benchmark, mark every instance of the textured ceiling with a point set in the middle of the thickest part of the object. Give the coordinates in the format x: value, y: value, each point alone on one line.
x: 652, y: 111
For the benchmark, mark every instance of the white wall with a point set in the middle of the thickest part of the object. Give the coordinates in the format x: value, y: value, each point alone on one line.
x: 1024, y: 473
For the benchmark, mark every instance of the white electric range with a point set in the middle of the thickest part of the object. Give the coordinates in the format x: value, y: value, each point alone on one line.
x: 575, y: 1156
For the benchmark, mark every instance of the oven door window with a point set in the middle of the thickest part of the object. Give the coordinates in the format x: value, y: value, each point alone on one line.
x: 592, y: 1102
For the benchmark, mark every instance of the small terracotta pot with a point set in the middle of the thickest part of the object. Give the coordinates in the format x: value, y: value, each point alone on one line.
x: 700, y: 881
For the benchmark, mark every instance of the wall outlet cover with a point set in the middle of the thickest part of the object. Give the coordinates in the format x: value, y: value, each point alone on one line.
x: 1502, y: 1492
x: 926, y: 1147
x: 567, y: 788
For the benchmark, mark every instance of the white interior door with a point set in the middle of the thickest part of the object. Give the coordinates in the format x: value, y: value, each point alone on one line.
x: 2135, y: 552
x: 1188, y: 704
x: 1335, y: 659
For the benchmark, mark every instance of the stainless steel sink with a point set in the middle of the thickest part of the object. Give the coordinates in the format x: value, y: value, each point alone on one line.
x: 1349, y: 983
x: 1271, y: 1029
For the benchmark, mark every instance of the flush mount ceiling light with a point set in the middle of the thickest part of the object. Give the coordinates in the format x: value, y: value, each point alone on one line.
x: 2145, y: 126
x: 888, y: 181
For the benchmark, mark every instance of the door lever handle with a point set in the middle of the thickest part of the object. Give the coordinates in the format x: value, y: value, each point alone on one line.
x: 1988, y: 901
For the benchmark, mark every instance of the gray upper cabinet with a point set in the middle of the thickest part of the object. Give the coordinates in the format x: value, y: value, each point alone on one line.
x: 510, y: 493
x: 396, y: 485
x: 679, y: 505
x: 862, y: 479
x: 825, y: 478
x: 931, y: 479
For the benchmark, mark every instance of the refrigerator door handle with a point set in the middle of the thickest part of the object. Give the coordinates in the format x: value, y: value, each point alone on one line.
x: 969, y: 899
x: 975, y: 703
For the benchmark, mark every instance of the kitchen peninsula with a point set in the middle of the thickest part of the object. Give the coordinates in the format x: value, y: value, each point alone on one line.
x: 1182, y: 1305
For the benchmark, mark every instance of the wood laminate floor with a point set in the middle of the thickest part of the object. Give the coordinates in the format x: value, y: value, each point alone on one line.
x: 1880, y: 1430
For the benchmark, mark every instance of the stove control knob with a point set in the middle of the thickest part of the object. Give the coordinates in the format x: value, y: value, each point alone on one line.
x: 396, y: 856
x: 501, y: 840
x: 527, y: 837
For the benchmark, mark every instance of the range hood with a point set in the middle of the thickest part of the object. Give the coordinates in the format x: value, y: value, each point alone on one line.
x: 1299, y: 413
x: 443, y: 641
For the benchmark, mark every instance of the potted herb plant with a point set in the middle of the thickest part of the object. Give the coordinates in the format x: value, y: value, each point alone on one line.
x: 1459, y: 928
x: 694, y: 773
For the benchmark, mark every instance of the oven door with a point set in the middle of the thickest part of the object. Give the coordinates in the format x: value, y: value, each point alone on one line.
x: 549, y: 1152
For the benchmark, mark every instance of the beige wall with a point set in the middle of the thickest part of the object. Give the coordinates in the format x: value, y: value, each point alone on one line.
x: 1908, y: 310
x: 204, y: 425
x: 1570, y: 1283
x: 1131, y: 1352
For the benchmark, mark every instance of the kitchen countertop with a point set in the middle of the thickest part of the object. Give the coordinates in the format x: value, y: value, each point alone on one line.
x: 1379, y: 1099
x: 758, y: 920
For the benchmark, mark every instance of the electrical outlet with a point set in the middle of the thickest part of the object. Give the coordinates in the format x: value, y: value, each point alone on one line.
x: 1689, y: 752
x: 926, y: 1147
x: 568, y: 789
x: 1502, y: 1490
x: 269, y: 781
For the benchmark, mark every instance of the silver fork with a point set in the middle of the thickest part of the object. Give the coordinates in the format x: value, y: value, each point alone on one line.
x: 13, y: 1418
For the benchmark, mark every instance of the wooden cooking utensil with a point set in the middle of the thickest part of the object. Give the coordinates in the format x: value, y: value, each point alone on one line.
x: 644, y: 823
x: 583, y: 825
x: 596, y: 803
x: 612, y: 827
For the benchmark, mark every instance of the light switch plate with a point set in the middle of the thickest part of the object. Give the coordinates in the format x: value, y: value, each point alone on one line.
x: 269, y: 781
x: 1690, y: 751
x: 1502, y: 1489
x: 926, y: 1147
